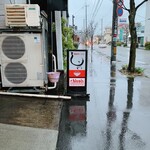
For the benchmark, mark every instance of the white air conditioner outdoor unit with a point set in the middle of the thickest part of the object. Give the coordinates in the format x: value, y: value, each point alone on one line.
x: 21, y: 15
x: 22, y: 60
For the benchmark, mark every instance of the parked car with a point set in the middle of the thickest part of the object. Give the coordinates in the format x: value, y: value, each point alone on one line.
x: 102, y: 45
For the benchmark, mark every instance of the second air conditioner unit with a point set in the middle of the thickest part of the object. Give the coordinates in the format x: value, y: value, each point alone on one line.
x: 22, y: 15
x: 22, y: 60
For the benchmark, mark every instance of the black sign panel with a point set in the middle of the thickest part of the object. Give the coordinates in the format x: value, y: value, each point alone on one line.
x: 51, y: 5
x: 60, y: 5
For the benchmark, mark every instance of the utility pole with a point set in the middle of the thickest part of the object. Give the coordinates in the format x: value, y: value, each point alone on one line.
x: 73, y: 25
x: 86, y: 17
x: 101, y: 27
x: 73, y: 20
x: 86, y: 23
x: 114, y: 32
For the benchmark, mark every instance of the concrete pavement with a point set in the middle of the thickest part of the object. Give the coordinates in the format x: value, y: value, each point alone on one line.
x: 29, y: 123
x: 14, y: 137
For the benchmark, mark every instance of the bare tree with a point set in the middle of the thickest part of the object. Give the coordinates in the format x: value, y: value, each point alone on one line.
x: 132, y: 28
x: 87, y: 34
x: 91, y: 30
x: 126, y: 30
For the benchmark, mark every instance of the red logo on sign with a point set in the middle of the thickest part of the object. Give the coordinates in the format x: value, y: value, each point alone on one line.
x: 77, y: 73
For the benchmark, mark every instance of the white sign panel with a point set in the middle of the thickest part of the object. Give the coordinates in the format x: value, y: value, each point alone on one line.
x: 76, y: 81
x: 76, y: 72
x: 76, y: 60
x: 122, y: 20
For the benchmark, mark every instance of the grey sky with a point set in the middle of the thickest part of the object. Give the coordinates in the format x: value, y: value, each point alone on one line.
x: 104, y: 11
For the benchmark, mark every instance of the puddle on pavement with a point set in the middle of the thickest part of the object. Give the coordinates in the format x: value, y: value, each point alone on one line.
x: 112, y: 115
x: 111, y: 120
x: 73, y: 123
x: 30, y: 112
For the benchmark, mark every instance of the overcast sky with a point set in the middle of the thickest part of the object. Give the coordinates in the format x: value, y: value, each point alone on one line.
x: 99, y: 10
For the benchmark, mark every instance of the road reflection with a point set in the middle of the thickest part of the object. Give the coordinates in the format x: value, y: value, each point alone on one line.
x: 73, y: 123
x: 126, y: 114
x: 76, y: 117
x: 135, y: 138
x: 111, y: 114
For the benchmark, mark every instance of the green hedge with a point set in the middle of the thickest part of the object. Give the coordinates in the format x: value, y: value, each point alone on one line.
x: 76, y: 45
x: 124, y: 45
x: 147, y: 45
x: 119, y: 43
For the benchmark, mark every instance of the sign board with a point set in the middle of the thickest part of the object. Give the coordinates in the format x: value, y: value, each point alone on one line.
x: 76, y: 72
x: 119, y: 11
x: 122, y: 20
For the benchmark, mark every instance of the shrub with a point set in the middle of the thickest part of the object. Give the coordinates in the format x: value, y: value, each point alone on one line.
x: 125, y: 67
x: 147, y: 45
x: 124, y: 45
x: 139, y: 70
x: 76, y: 45
x: 119, y: 43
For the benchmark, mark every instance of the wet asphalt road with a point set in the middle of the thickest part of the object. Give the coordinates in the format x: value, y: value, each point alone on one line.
x: 142, y: 57
x: 117, y: 117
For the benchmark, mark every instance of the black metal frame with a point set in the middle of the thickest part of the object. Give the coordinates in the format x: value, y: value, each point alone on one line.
x: 77, y: 91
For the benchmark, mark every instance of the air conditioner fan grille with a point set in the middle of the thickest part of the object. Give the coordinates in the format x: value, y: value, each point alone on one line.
x: 13, y: 47
x: 15, y: 73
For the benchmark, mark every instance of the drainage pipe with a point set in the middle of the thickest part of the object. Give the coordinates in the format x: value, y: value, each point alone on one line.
x: 36, y: 95
x: 55, y: 84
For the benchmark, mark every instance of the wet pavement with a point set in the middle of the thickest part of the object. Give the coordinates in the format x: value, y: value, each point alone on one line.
x: 117, y: 117
x: 29, y: 123
x: 31, y: 112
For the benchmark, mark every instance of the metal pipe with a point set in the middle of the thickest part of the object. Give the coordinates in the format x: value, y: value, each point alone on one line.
x: 55, y: 84
x: 36, y: 95
x: 45, y: 50
x: 54, y: 59
x: 52, y: 87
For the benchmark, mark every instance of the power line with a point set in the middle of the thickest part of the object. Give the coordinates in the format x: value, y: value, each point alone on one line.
x: 78, y: 10
x: 98, y: 8
x: 98, y: 2
x: 94, y: 6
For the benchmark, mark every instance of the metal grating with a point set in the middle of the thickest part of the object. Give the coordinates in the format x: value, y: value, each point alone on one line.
x: 13, y: 47
x: 16, y: 15
x: 16, y: 73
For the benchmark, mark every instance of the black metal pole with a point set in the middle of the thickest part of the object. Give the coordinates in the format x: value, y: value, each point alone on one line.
x: 114, y: 32
x: 86, y: 32
x: 73, y: 25
x: 73, y: 20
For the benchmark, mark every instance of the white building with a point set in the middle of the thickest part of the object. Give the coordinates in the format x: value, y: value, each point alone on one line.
x: 107, y: 35
x: 147, y: 23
